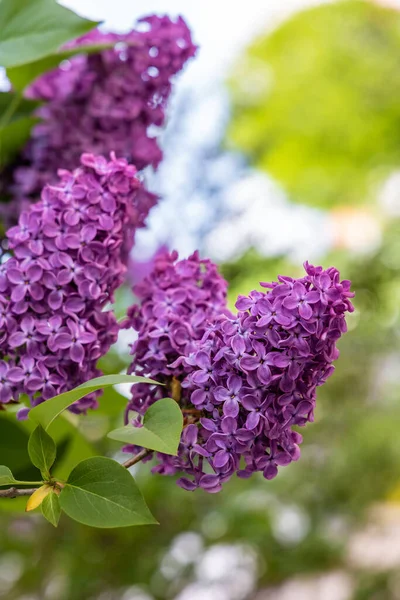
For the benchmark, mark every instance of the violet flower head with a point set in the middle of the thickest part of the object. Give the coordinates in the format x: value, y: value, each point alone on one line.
x: 69, y: 256
x: 111, y: 101
x: 250, y: 378
x: 179, y: 300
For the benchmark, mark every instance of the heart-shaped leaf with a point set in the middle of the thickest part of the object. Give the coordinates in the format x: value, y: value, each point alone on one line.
x: 32, y: 29
x: 42, y: 450
x: 161, y: 430
x: 51, y: 509
x: 101, y: 493
x: 46, y: 412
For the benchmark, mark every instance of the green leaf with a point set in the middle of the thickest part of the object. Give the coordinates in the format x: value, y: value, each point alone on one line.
x: 161, y: 430
x: 6, y: 477
x: 33, y: 29
x: 46, y: 412
x: 42, y: 450
x: 72, y: 447
x: 51, y: 509
x: 112, y: 404
x: 21, y: 107
x: 22, y: 75
x: 101, y: 493
x: 16, y: 122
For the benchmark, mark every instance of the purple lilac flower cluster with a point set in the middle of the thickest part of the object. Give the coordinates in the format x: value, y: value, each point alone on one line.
x: 69, y: 256
x: 178, y: 301
x: 114, y: 100
x: 251, y: 377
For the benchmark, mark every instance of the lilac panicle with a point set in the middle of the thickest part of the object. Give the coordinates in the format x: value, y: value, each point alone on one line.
x: 69, y: 256
x: 178, y: 301
x: 244, y: 380
x: 111, y: 101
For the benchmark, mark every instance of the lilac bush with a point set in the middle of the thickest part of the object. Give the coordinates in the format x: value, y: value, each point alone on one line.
x: 244, y: 381
x: 69, y: 256
x: 110, y: 101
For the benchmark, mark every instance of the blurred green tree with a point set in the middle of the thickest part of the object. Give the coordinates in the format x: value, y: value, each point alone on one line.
x: 315, y: 102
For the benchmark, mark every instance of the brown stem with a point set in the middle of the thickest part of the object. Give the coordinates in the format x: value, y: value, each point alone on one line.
x: 135, y: 459
x: 15, y: 492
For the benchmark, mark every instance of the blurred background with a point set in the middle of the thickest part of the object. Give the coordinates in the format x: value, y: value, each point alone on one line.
x: 282, y: 144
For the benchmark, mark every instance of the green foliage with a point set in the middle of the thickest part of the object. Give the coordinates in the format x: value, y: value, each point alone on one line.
x: 161, y: 430
x: 102, y: 493
x: 72, y: 447
x: 315, y: 103
x: 6, y: 477
x: 99, y: 491
x: 16, y: 121
x: 42, y: 450
x: 51, y: 509
x: 35, y: 29
x: 46, y: 412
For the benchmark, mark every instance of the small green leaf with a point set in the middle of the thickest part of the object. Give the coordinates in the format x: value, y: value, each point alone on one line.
x: 6, y: 477
x: 101, y: 493
x: 42, y: 450
x: 33, y: 29
x: 161, y: 430
x: 46, y: 412
x: 22, y: 75
x: 51, y: 509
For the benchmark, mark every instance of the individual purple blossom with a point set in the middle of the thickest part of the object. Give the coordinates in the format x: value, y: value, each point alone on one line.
x: 302, y: 299
x: 229, y: 395
x: 73, y: 339
x: 259, y: 361
x: 26, y: 281
x: 242, y: 381
x: 27, y: 333
x: 63, y: 273
x: 256, y: 405
x: 44, y: 381
x: 10, y: 375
